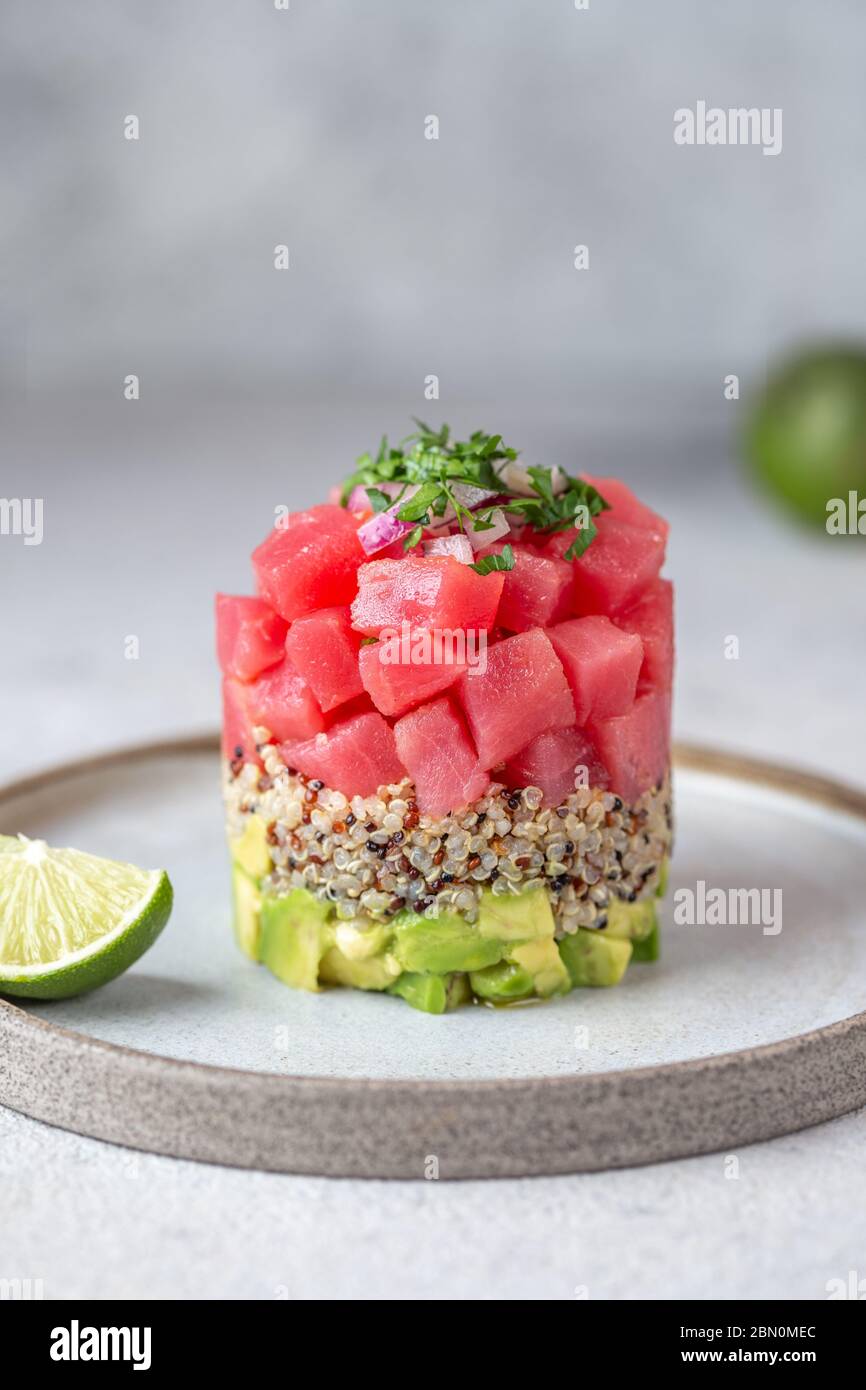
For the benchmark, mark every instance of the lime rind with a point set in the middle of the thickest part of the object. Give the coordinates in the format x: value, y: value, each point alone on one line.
x: 70, y: 921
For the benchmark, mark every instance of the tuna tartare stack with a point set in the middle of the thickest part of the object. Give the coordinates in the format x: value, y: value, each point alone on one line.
x: 446, y: 730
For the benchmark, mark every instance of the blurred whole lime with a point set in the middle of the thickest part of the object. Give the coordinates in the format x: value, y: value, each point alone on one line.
x: 806, y: 436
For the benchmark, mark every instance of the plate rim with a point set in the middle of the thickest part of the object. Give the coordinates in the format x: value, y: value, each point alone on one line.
x: 34, y: 1039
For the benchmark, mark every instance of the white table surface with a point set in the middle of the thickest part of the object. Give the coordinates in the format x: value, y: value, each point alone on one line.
x: 144, y: 518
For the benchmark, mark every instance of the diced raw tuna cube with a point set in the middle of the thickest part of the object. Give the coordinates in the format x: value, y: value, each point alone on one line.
x: 550, y: 762
x: 635, y: 747
x: 282, y: 701
x: 536, y: 592
x: 624, y: 506
x: 362, y: 704
x: 356, y: 756
x: 395, y: 685
x: 250, y: 636
x: 238, y: 741
x: 309, y: 561
x: 438, y: 754
x: 424, y: 591
x: 616, y: 568
x: 522, y: 693
x: 601, y: 663
x: 652, y: 618
x: 556, y: 545
x: 324, y: 649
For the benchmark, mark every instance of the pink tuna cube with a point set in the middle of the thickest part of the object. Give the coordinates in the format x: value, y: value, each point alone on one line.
x: 438, y: 754
x: 635, y: 747
x: 522, y: 693
x: 551, y: 762
x: 282, y: 700
x: 250, y: 636
x: 309, y: 561
x: 324, y: 650
x: 424, y: 591
x: 536, y: 592
x: 624, y: 506
x: 616, y: 568
x: 601, y: 663
x: 238, y: 741
x: 356, y: 756
x: 652, y: 618
x: 402, y: 673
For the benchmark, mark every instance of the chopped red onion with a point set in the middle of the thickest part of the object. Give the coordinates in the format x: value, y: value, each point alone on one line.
x: 469, y: 497
x: 500, y: 526
x: 472, y: 497
x: 458, y: 546
x: 516, y: 478
x: 382, y: 530
x: 360, y: 502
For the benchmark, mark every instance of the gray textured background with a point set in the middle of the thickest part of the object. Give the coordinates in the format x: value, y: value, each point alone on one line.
x: 258, y: 388
x: 409, y: 256
x: 412, y: 256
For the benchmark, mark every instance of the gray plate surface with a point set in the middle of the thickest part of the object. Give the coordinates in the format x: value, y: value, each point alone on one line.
x: 737, y: 1034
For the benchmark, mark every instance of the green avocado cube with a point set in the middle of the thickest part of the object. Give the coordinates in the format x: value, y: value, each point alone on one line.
x: 247, y: 903
x: 458, y: 990
x: 250, y: 850
x: 543, y: 963
x: 664, y: 872
x: 630, y: 921
x: 502, y: 982
x: 359, y: 939
x: 595, y: 958
x: 649, y: 948
x: 296, y: 932
x: 429, y: 993
x: 440, y: 945
x: 432, y: 994
x: 371, y: 973
x: 522, y: 916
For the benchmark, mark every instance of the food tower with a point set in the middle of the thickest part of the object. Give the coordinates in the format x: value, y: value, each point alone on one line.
x: 447, y: 730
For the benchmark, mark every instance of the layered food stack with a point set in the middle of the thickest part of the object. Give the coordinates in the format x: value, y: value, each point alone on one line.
x: 447, y: 730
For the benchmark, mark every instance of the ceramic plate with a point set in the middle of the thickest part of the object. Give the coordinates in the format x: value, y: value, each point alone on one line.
x: 739, y: 1033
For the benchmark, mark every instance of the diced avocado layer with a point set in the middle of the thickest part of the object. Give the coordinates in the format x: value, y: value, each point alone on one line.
x: 664, y: 872
x: 250, y: 851
x: 428, y: 993
x: 630, y: 921
x: 516, y: 917
x: 338, y: 969
x: 593, y: 958
x: 247, y: 904
x: 296, y: 933
x: 441, y: 944
x: 502, y: 983
x: 438, y: 963
x: 542, y: 961
x: 649, y: 948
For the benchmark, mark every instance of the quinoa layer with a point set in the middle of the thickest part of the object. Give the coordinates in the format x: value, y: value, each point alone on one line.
x: 373, y: 856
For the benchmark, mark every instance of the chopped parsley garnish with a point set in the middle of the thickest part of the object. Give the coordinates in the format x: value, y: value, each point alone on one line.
x: 434, y: 463
x: 491, y: 563
x: 379, y: 501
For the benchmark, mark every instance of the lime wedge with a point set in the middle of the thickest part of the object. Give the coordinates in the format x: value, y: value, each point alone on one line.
x: 70, y: 921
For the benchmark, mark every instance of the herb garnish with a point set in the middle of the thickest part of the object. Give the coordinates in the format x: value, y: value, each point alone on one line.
x: 433, y: 463
x: 490, y: 563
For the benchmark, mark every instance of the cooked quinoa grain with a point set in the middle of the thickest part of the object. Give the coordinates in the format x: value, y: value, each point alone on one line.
x: 375, y: 856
